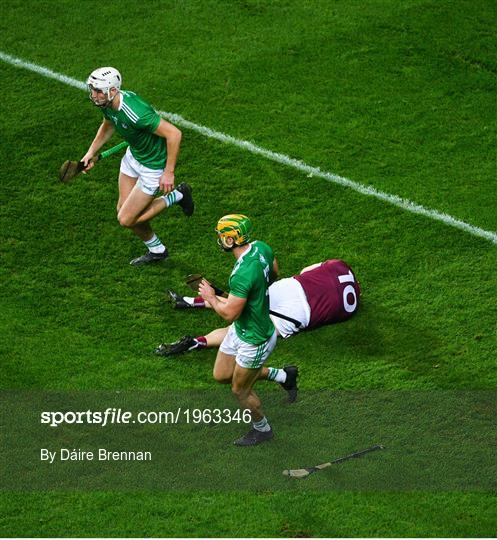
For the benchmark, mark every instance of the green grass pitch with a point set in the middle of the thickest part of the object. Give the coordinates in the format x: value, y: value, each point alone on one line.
x: 397, y: 95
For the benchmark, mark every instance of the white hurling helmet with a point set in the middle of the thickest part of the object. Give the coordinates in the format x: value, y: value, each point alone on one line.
x: 104, y: 79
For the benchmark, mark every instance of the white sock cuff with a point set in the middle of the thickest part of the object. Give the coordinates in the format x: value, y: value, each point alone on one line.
x: 172, y: 198
x: 262, y: 425
x: 155, y: 245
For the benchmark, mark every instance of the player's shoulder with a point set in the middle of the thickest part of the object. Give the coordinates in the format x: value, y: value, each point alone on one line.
x: 246, y: 262
x: 261, y: 247
x: 134, y: 106
x: 261, y: 244
x: 262, y: 254
x: 131, y: 97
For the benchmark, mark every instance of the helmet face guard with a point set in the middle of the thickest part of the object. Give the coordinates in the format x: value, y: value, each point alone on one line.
x: 96, y: 101
x: 221, y: 242
x: 103, y: 80
x: 235, y: 226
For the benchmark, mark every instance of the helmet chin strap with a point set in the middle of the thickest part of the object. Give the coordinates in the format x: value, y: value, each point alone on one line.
x: 108, y: 102
x: 112, y: 98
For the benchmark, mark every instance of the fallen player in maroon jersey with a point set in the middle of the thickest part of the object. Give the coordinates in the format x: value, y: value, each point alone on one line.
x: 323, y: 293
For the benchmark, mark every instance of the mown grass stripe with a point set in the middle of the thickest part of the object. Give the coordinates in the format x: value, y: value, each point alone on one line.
x: 177, y: 119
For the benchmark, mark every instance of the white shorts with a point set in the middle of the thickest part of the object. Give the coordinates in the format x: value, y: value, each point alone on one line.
x: 286, y: 296
x: 148, y: 179
x: 247, y: 355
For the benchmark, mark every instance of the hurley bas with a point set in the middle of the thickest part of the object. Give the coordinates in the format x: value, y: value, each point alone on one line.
x: 76, y: 454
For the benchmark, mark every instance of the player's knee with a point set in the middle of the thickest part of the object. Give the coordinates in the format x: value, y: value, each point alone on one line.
x: 220, y: 377
x: 125, y: 220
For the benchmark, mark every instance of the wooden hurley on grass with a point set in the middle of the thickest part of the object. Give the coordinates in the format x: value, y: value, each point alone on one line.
x: 303, y: 473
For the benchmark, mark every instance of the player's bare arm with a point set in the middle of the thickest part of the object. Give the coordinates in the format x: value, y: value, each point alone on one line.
x: 228, y: 308
x: 311, y: 267
x: 173, y: 140
x: 104, y: 133
x: 221, y: 299
x: 275, y: 271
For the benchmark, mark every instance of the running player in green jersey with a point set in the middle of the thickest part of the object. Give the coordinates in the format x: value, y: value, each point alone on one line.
x: 251, y: 336
x: 148, y: 165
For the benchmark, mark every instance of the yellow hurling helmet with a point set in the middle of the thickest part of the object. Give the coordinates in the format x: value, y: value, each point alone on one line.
x: 236, y: 226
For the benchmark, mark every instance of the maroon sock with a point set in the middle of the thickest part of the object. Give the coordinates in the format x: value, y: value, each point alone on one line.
x: 201, y: 341
x: 198, y: 301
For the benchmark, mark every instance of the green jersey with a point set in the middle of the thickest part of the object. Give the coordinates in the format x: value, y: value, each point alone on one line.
x: 250, y: 279
x: 136, y: 121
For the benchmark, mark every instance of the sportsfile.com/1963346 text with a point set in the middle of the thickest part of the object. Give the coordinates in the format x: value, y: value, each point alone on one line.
x: 117, y: 416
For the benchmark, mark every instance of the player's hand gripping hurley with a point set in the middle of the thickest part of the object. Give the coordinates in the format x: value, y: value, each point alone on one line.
x: 70, y: 169
x: 193, y: 281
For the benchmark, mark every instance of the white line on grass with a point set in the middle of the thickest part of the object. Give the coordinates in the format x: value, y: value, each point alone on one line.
x: 274, y: 156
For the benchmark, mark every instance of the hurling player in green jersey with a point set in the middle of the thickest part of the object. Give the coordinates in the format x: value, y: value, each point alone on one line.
x: 148, y: 166
x: 251, y: 336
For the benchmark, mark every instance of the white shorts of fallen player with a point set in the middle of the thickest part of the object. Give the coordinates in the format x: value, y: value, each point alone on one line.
x: 148, y: 179
x: 247, y: 355
x: 287, y: 297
